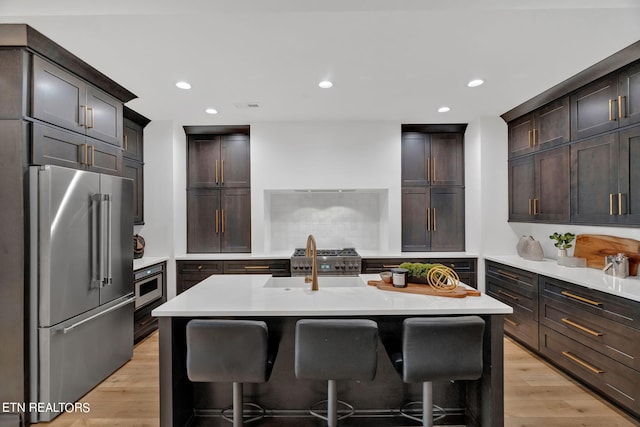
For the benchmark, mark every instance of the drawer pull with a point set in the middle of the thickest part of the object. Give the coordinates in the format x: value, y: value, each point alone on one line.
x: 391, y: 266
x: 582, y: 363
x: 508, y: 295
x: 147, y: 321
x: 582, y: 299
x: 511, y: 322
x: 199, y: 267
x: 509, y: 275
x: 256, y: 267
x: 582, y: 328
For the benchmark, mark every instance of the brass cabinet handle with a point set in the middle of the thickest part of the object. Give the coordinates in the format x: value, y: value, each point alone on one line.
x: 217, y: 222
x: 611, y: 110
x: 534, y: 138
x: 434, y: 220
x: 581, y: 299
x: 222, y: 220
x: 433, y: 171
x: 216, y: 171
x: 199, y: 267
x: 93, y: 118
x: 256, y: 267
x: 582, y: 328
x: 511, y: 322
x: 508, y: 295
x: 84, y: 120
x: 622, y: 102
x: 582, y: 363
x: 391, y: 266
x: 85, y: 150
x: 428, y: 219
x: 610, y: 203
x: 620, y: 204
x: 222, y: 175
x: 428, y: 169
x: 509, y: 275
x: 125, y: 142
x: 93, y: 155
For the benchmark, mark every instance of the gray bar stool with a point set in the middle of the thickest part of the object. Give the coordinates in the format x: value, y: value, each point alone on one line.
x: 229, y: 351
x: 332, y: 350
x: 439, y: 348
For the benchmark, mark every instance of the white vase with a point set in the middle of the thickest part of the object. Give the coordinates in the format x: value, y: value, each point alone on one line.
x: 562, y: 252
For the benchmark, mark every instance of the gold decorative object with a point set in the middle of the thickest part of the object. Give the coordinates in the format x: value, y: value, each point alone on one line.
x: 442, y: 278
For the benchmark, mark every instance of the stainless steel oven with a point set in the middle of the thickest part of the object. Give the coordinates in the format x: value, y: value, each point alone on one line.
x: 148, y: 285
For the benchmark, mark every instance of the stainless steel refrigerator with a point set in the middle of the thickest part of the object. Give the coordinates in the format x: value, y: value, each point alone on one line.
x: 81, y: 283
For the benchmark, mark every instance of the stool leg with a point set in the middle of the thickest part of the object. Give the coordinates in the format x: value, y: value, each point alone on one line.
x: 427, y: 404
x: 238, y: 405
x: 332, y: 404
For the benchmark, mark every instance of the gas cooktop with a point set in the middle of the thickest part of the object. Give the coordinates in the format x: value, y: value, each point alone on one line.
x: 328, y: 252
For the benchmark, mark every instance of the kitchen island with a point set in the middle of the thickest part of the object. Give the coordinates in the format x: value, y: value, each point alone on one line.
x: 280, y: 302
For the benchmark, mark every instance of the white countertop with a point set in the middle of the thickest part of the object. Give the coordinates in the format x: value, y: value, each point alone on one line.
x: 287, y: 254
x: 246, y: 295
x: 592, y: 278
x: 143, y: 262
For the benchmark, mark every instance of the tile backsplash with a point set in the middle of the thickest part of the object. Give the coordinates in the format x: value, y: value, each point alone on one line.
x: 337, y: 219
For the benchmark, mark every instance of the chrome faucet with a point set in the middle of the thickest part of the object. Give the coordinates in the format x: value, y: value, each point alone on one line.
x: 311, y: 251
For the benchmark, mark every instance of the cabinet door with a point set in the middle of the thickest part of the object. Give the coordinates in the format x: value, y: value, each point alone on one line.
x: 521, y: 189
x: 59, y: 97
x: 132, y: 140
x: 551, y: 172
x: 521, y: 135
x: 53, y: 146
x: 629, y: 92
x: 104, y: 117
x: 133, y: 170
x: 415, y: 223
x: 415, y: 159
x: 447, y: 159
x: 594, y: 108
x: 103, y: 157
x: 629, y: 182
x: 235, y: 167
x: 235, y: 220
x: 447, y: 219
x: 552, y: 124
x: 203, y: 220
x: 203, y: 156
x: 594, y: 180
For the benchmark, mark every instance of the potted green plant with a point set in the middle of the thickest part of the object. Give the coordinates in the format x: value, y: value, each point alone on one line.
x: 563, y: 242
x: 417, y: 271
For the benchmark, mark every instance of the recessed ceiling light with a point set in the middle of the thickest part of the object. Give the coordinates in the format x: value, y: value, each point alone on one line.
x: 183, y: 85
x: 443, y: 109
x: 211, y: 111
x: 476, y: 82
x: 325, y: 84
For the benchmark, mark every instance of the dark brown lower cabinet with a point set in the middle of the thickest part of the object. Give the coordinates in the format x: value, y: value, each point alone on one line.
x: 189, y: 273
x: 275, y: 267
x: 219, y: 220
x: 432, y: 219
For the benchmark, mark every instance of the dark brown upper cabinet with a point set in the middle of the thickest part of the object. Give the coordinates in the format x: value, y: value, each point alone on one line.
x: 432, y: 159
x: 606, y: 104
x: 133, y: 156
x: 62, y: 99
x: 218, y: 161
x: 539, y: 187
x: 545, y: 127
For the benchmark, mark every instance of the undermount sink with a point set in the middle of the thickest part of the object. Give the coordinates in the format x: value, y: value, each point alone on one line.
x: 323, y: 281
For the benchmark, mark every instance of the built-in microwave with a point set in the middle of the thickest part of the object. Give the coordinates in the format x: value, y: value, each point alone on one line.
x: 148, y: 285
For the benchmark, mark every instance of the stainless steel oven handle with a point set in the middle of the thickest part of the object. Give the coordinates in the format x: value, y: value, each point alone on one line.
x: 102, y: 313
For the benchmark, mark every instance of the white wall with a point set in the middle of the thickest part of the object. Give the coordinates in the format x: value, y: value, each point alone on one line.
x: 325, y: 155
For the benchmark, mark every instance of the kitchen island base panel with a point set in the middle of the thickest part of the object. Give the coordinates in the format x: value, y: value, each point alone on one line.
x: 287, y: 399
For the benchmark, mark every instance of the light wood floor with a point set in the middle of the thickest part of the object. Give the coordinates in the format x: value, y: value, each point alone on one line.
x: 536, y: 395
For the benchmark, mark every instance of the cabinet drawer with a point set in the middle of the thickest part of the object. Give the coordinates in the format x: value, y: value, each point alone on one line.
x: 593, y: 302
x: 211, y: 267
x: 619, y: 342
x: 522, y: 324
x: 378, y: 265
x: 618, y: 382
x: 279, y: 267
x: 514, y: 294
x: 506, y: 274
x: 458, y: 264
x: 143, y: 322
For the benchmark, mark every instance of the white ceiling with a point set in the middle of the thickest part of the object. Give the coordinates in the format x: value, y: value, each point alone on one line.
x: 393, y: 60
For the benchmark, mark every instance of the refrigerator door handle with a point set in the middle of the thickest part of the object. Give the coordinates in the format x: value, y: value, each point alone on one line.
x: 96, y: 239
x: 109, y: 278
x: 102, y: 313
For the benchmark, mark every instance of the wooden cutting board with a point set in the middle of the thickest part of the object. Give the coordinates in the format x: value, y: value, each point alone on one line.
x: 594, y: 247
x: 415, y: 288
